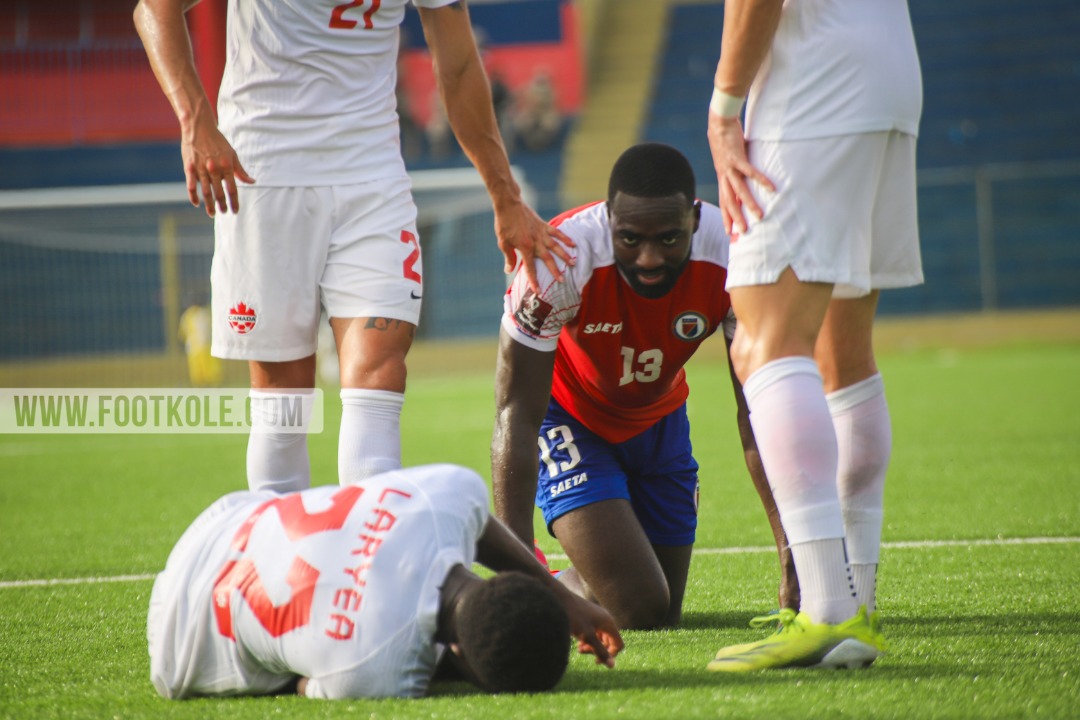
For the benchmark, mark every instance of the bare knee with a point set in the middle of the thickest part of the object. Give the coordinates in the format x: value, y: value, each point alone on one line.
x: 644, y: 609
x: 633, y: 605
x: 388, y: 372
x: 372, y: 351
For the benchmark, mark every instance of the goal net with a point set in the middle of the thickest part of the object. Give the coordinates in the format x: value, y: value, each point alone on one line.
x: 94, y: 281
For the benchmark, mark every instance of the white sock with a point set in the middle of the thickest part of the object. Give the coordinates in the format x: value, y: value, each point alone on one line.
x: 276, y: 461
x: 795, y: 437
x: 370, y: 439
x: 825, y: 582
x: 864, y: 439
x: 864, y: 580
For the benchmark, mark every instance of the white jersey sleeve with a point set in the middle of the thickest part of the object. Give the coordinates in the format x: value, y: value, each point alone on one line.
x: 713, y: 245
x: 535, y: 320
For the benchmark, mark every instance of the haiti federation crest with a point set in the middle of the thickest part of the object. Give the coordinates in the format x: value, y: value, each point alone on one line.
x: 690, y: 326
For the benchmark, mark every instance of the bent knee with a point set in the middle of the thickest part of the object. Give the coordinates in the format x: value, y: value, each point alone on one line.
x: 643, y: 611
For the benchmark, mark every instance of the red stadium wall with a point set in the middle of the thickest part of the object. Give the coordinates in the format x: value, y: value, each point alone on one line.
x: 48, y: 101
x: 515, y: 64
x: 74, y: 72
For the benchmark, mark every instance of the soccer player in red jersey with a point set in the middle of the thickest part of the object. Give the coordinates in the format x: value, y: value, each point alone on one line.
x: 591, y: 369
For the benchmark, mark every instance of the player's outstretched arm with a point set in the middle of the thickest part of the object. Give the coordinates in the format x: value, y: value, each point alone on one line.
x: 466, y: 95
x: 749, y: 27
x: 789, y: 580
x: 594, y: 627
x: 211, y: 166
x: 522, y: 390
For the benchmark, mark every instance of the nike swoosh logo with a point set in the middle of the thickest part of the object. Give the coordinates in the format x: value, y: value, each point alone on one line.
x: 414, y: 296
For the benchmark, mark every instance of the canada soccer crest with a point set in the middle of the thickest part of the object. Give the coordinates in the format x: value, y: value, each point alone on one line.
x: 690, y: 326
x: 242, y: 318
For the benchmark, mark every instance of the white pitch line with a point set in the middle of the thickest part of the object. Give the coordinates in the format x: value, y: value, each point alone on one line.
x: 74, y: 581
x: 900, y: 545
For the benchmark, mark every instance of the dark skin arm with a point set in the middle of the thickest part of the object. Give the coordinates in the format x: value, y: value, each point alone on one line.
x: 499, y: 549
x: 522, y: 391
x: 789, y: 581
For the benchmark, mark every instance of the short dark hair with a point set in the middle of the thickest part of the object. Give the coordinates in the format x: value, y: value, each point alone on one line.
x: 652, y: 170
x: 514, y: 634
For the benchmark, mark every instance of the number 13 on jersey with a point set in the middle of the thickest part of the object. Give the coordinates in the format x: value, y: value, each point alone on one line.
x: 644, y: 367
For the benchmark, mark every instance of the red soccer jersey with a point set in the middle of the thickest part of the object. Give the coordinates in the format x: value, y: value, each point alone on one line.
x: 620, y: 356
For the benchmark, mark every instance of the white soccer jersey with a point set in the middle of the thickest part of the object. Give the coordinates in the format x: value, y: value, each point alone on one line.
x: 307, y: 97
x: 336, y: 584
x: 837, y: 67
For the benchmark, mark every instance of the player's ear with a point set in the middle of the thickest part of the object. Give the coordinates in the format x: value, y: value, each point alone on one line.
x: 697, y: 215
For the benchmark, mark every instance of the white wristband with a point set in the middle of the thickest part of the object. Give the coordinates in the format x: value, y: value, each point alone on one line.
x: 724, y: 105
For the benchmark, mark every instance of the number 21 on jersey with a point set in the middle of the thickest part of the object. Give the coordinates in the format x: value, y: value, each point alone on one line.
x: 339, y: 22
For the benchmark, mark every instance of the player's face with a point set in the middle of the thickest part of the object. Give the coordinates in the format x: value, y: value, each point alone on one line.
x: 651, y: 238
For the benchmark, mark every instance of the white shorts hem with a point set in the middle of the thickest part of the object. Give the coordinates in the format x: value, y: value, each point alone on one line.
x: 393, y: 313
x: 275, y: 354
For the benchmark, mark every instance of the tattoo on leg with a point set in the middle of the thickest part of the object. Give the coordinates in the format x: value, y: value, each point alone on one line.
x: 384, y: 324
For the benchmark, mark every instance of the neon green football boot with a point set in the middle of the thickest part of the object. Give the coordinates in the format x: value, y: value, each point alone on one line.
x: 800, y: 642
x: 775, y: 617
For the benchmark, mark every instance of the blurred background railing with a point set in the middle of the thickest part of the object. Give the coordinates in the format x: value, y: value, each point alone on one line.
x: 99, y: 251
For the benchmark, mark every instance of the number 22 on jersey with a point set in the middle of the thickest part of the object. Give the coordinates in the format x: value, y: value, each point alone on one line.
x: 241, y: 574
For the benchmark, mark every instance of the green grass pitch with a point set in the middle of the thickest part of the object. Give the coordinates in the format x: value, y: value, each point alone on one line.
x: 979, y: 586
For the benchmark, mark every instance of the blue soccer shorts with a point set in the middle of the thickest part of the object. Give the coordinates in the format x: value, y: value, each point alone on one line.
x: 654, y: 471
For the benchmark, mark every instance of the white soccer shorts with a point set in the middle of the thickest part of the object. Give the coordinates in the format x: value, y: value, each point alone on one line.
x: 354, y: 250
x: 844, y: 212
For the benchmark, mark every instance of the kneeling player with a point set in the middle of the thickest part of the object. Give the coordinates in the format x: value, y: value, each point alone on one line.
x: 593, y: 369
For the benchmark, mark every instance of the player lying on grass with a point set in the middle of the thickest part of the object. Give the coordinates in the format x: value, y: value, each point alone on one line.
x: 362, y: 591
x: 593, y: 368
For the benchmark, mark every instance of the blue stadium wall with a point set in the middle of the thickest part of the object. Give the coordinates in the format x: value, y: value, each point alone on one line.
x: 1001, y: 84
x: 1001, y: 88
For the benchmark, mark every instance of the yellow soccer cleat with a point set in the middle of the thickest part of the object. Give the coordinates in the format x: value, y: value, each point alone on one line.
x: 775, y: 617
x: 800, y: 642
